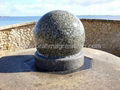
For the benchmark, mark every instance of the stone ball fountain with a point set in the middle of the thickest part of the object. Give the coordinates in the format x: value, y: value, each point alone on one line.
x: 59, y: 37
x: 59, y: 61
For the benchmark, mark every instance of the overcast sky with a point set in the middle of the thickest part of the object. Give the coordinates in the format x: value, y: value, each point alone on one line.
x: 77, y: 7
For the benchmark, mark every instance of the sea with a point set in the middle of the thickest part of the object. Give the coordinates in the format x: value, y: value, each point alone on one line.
x: 9, y: 20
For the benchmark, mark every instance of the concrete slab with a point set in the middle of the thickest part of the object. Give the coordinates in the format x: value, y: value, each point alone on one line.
x: 101, y: 71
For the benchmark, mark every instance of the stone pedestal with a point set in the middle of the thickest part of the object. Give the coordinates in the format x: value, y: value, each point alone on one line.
x: 59, y: 64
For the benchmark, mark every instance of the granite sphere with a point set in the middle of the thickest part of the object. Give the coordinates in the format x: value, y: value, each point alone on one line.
x: 59, y: 34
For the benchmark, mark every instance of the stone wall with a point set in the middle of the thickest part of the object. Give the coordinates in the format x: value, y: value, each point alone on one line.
x: 16, y: 37
x: 103, y: 35
x: 100, y: 34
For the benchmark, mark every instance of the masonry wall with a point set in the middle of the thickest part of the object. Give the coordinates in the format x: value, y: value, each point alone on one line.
x: 103, y: 35
x: 16, y: 37
x: 100, y: 34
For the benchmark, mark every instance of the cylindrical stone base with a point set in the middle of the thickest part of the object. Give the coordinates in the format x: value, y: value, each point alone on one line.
x: 61, y: 64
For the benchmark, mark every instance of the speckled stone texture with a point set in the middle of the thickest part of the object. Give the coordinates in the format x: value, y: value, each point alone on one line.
x: 59, y: 33
x: 59, y: 37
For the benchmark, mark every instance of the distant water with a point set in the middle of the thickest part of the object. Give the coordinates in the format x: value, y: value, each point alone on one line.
x: 4, y: 21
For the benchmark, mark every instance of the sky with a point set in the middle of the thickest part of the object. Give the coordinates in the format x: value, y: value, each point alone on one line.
x: 77, y: 7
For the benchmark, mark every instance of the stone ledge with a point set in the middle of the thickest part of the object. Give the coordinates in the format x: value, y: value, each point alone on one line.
x: 106, y: 20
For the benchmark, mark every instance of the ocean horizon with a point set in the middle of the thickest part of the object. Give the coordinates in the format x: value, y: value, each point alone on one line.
x: 9, y: 20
